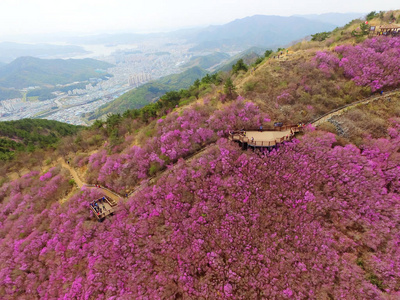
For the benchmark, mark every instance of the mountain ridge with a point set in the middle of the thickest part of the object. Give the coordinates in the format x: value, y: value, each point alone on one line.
x: 10, y: 51
x: 258, y: 30
x: 30, y: 71
x: 337, y: 19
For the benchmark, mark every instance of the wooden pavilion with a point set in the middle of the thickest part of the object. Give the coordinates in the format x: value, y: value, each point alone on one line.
x: 385, y: 30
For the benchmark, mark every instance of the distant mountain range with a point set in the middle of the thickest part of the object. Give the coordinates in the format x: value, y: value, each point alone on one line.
x: 333, y: 18
x: 10, y: 51
x: 113, y: 39
x: 209, y: 61
x: 209, y: 52
x: 256, y: 34
x: 30, y: 71
x: 241, y: 34
x: 261, y: 31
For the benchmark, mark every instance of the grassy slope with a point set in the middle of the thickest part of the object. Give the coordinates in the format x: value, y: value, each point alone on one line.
x: 371, y: 119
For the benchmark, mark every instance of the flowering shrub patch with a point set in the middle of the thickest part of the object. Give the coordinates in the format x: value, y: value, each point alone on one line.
x: 177, y: 136
x: 374, y: 63
x: 308, y: 221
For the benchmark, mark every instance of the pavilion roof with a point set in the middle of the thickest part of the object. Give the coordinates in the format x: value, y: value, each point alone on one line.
x: 389, y: 26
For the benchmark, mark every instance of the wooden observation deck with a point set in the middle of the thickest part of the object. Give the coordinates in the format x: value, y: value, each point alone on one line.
x: 264, y: 138
x: 103, y: 207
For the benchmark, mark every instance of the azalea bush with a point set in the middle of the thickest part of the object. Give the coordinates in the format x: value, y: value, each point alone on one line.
x: 309, y: 220
x: 176, y: 136
x: 374, y: 63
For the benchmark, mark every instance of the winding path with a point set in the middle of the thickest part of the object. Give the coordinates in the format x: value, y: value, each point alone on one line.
x: 115, y: 196
x: 80, y: 183
x: 77, y: 179
x: 324, y: 118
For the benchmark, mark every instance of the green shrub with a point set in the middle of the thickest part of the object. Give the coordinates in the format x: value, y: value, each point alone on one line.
x: 268, y: 53
x: 375, y: 281
x: 184, y: 102
x: 249, y: 86
x: 239, y: 66
x: 2, y: 181
x: 360, y: 262
x: 259, y: 61
x: 97, y: 139
x: 371, y: 15
x: 149, y: 132
x: 283, y: 84
x: 321, y: 36
x: 154, y: 168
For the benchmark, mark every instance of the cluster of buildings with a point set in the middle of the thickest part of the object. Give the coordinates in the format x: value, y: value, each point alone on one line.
x: 131, y: 69
x: 15, y: 109
x: 139, y: 79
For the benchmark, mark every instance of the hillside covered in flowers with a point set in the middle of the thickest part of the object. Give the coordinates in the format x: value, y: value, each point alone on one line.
x: 316, y: 218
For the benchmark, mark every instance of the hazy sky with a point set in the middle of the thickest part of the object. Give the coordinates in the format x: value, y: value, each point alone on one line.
x: 89, y: 16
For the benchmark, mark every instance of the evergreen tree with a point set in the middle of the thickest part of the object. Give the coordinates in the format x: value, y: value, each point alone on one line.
x: 240, y: 65
x: 364, y: 30
x: 371, y: 15
x: 229, y: 88
x: 268, y: 53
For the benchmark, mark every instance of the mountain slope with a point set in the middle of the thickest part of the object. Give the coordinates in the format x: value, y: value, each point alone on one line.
x: 28, y: 134
x: 30, y: 71
x: 149, y: 92
x: 249, y: 56
x: 9, y: 93
x: 316, y: 218
x: 207, y: 61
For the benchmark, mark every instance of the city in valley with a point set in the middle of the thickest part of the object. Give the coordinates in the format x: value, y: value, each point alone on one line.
x: 132, y: 66
x: 132, y: 60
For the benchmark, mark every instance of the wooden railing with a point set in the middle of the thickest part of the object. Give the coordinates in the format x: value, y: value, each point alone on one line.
x: 104, y: 188
x: 240, y: 136
x: 110, y: 201
x: 270, y: 128
x: 103, y: 214
x: 370, y: 98
x: 105, y: 206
